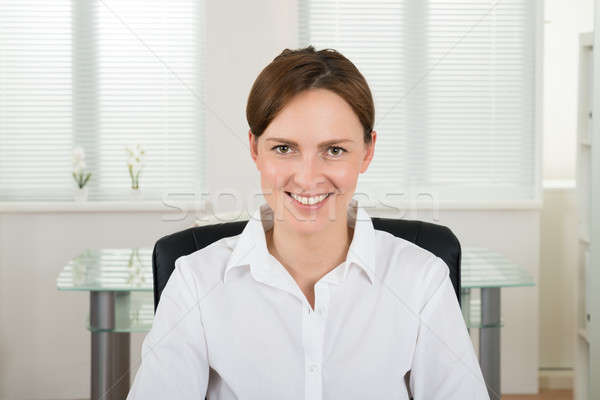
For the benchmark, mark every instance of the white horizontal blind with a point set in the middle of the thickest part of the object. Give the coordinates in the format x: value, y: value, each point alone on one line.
x: 133, y: 76
x: 150, y: 93
x: 35, y: 100
x: 453, y: 84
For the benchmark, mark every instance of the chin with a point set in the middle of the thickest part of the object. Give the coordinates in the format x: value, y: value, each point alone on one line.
x: 308, y: 227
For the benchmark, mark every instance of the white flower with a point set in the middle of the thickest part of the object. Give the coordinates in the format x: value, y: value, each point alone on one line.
x: 135, y: 163
x: 136, y: 152
x: 80, y: 175
x: 78, y: 159
x: 78, y: 168
x: 78, y: 153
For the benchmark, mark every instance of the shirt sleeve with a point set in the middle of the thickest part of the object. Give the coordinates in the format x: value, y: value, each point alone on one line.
x: 444, y: 365
x: 174, y: 361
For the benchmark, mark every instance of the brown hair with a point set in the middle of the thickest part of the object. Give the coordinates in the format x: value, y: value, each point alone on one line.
x: 294, y: 71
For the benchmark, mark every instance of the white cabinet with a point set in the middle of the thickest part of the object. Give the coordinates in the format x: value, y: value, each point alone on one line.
x: 585, y: 186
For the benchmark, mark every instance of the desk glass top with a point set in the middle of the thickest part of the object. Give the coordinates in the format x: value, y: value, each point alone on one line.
x: 483, y: 268
x: 131, y: 270
x: 108, y: 270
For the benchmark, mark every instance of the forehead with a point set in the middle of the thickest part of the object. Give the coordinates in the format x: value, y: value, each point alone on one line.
x: 316, y: 113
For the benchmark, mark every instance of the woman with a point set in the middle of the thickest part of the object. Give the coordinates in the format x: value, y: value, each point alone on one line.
x: 309, y: 301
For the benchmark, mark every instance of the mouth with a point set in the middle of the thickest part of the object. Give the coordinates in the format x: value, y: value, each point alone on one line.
x: 309, y: 202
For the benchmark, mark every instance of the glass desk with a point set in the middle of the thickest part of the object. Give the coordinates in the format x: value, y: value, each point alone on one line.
x: 488, y: 271
x: 121, y: 301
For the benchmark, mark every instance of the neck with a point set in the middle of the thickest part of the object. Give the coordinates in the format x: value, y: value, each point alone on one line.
x: 309, y: 257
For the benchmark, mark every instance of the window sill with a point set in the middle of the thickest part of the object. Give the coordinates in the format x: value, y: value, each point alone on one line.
x: 182, y: 207
x: 93, y: 206
x: 498, y: 205
x: 560, y: 184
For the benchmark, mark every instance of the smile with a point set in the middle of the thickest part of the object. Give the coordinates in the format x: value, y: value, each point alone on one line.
x: 309, y: 201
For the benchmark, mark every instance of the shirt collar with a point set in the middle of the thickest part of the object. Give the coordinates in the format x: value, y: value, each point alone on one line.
x: 251, y: 247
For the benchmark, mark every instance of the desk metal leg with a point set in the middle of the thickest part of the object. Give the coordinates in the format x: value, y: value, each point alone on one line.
x: 465, y: 301
x: 489, y: 340
x: 110, y: 350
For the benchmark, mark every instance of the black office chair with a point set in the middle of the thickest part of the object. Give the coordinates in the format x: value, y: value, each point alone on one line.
x: 437, y: 239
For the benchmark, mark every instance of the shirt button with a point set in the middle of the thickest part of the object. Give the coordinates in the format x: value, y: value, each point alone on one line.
x: 314, y: 368
x: 322, y: 310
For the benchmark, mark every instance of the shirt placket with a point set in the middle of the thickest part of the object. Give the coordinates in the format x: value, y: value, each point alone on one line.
x: 313, y: 333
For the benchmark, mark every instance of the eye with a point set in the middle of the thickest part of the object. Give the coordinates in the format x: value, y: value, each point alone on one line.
x: 338, y: 151
x: 279, y: 146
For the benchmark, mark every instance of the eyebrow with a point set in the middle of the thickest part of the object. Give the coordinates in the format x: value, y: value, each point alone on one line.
x: 322, y: 144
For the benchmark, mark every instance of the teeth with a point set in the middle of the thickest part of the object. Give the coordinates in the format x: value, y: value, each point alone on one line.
x: 309, y: 200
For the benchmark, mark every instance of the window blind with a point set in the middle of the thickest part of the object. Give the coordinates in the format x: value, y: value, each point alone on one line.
x: 125, y: 72
x: 454, y: 90
x: 35, y: 100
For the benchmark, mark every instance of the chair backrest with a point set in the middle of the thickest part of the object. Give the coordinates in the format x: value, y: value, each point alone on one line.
x: 437, y: 239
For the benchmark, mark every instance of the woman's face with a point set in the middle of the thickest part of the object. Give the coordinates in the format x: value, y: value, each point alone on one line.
x: 313, y: 147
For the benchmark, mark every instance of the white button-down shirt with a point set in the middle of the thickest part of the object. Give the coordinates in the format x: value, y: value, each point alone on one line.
x: 232, y: 323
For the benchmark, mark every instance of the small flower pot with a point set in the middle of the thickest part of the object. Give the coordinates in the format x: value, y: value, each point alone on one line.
x: 135, y: 194
x: 80, y: 194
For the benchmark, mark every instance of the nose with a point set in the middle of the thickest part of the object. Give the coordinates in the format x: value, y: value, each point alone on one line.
x: 308, y: 174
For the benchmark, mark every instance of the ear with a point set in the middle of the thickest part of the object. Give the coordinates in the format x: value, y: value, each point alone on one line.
x: 253, y: 145
x: 370, y: 151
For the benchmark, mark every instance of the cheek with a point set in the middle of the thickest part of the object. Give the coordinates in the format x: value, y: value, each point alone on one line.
x: 346, y: 176
x: 272, y: 173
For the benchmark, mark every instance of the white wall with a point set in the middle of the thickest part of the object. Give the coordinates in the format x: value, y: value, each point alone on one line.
x: 558, y: 279
x: 44, y: 347
x: 565, y: 20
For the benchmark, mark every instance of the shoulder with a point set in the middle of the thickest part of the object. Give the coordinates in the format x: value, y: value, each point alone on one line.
x: 204, y: 268
x: 410, y: 271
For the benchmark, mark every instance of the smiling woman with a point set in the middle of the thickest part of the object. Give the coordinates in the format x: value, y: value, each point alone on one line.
x: 310, y: 301
x: 311, y: 116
